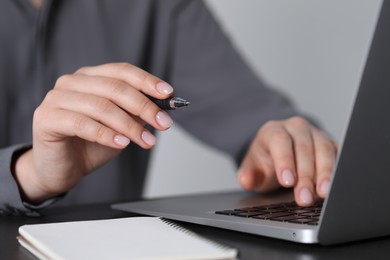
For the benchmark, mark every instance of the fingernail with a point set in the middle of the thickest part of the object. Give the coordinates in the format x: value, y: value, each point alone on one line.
x: 163, y: 119
x: 306, y: 197
x: 324, y: 188
x: 148, y: 138
x: 121, y: 140
x: 288, y: 178
x: 164, y: 88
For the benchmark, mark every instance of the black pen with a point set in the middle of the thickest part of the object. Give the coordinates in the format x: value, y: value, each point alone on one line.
x: 170, y: 103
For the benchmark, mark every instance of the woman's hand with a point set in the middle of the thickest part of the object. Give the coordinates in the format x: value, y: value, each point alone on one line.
x: 290, y: 153
x: 84, y: 121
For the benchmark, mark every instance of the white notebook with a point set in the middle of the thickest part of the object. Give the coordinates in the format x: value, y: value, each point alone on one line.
x: 123, y: 238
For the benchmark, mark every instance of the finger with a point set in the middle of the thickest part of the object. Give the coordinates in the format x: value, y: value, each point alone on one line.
x: 325, y: 153
x: 256, y: 172
x: 134, y: 76
x: 282, y: 151
x: 65, y: 123
x: 102, y: 111
x: 301, y: 133
x: 121, y: 93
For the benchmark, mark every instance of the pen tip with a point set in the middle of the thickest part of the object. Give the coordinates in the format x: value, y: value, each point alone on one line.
x: 180, y: 102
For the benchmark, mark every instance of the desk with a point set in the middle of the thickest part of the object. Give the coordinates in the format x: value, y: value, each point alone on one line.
x: 250, y: 246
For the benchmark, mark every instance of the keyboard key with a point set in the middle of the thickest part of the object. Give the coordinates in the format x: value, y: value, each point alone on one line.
x: 300, y: 211
x: 284, y: 212
x: 311, y: 214
x: 273, y: 215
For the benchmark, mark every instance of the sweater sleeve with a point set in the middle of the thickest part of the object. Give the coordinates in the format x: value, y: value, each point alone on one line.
x: 11, y: 202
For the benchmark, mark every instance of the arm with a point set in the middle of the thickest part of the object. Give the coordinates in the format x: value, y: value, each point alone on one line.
x: 240, y: 109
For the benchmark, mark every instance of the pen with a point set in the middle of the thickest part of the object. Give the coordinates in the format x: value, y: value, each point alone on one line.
x: 170, y: 103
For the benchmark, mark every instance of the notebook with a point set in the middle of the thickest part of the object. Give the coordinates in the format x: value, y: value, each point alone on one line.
x: 358, y: 204
x: 123, y: 238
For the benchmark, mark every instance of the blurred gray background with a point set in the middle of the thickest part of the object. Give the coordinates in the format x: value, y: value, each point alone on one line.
x: 313, y: 51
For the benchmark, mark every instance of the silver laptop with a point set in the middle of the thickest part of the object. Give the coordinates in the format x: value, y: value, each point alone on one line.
x: 358, y: 205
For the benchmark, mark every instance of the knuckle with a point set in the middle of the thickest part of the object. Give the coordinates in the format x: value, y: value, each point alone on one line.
x: 51, y: 94
x: 130, y: 126
x: 329, y: 144
x: 326, y: 144
x: 83, y: 70
x: 330, y: 148
x: 117, y: 87
x: 80, y: 123
x: 145, y: 77
x: 325, y: 169
x: 133, y: 127
x: 44, y: 109
x: 124, y: 67
x: 267, y: 167
x: 270, y: 124
x: 304, y: 147
x: 100, y: 132
x: 63, y: 80
x: 144, y: 105
x: 299, y: 121
x: 280, y: 136
x: 103, y: 105
x: 271, y: 128
x: 305, y: 178
x: 40, y: 114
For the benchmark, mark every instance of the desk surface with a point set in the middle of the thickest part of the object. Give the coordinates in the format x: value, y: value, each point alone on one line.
x: 249, y: 246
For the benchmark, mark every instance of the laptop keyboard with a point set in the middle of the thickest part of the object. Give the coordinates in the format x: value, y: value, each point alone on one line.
x: 283, y: 212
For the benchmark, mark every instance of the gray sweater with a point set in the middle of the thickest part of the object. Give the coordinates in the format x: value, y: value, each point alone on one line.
x: 176, y: 40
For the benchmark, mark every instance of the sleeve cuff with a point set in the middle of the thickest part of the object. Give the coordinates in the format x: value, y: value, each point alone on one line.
x: 11, y: 202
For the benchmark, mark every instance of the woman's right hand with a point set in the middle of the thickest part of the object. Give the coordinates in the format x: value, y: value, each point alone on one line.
x: 84, y: 121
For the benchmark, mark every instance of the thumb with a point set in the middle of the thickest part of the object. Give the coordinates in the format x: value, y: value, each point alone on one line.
x: 257, y: 174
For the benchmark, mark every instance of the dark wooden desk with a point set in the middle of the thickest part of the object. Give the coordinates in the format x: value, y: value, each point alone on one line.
x: 250, y: 246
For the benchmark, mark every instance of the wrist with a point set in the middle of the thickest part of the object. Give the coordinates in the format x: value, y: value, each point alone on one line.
x: 25, y: 176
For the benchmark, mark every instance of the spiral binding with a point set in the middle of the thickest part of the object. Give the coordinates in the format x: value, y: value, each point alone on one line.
x: 193, y: 234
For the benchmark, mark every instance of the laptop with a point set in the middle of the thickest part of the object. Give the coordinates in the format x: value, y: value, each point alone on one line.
x: 358, y: 203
